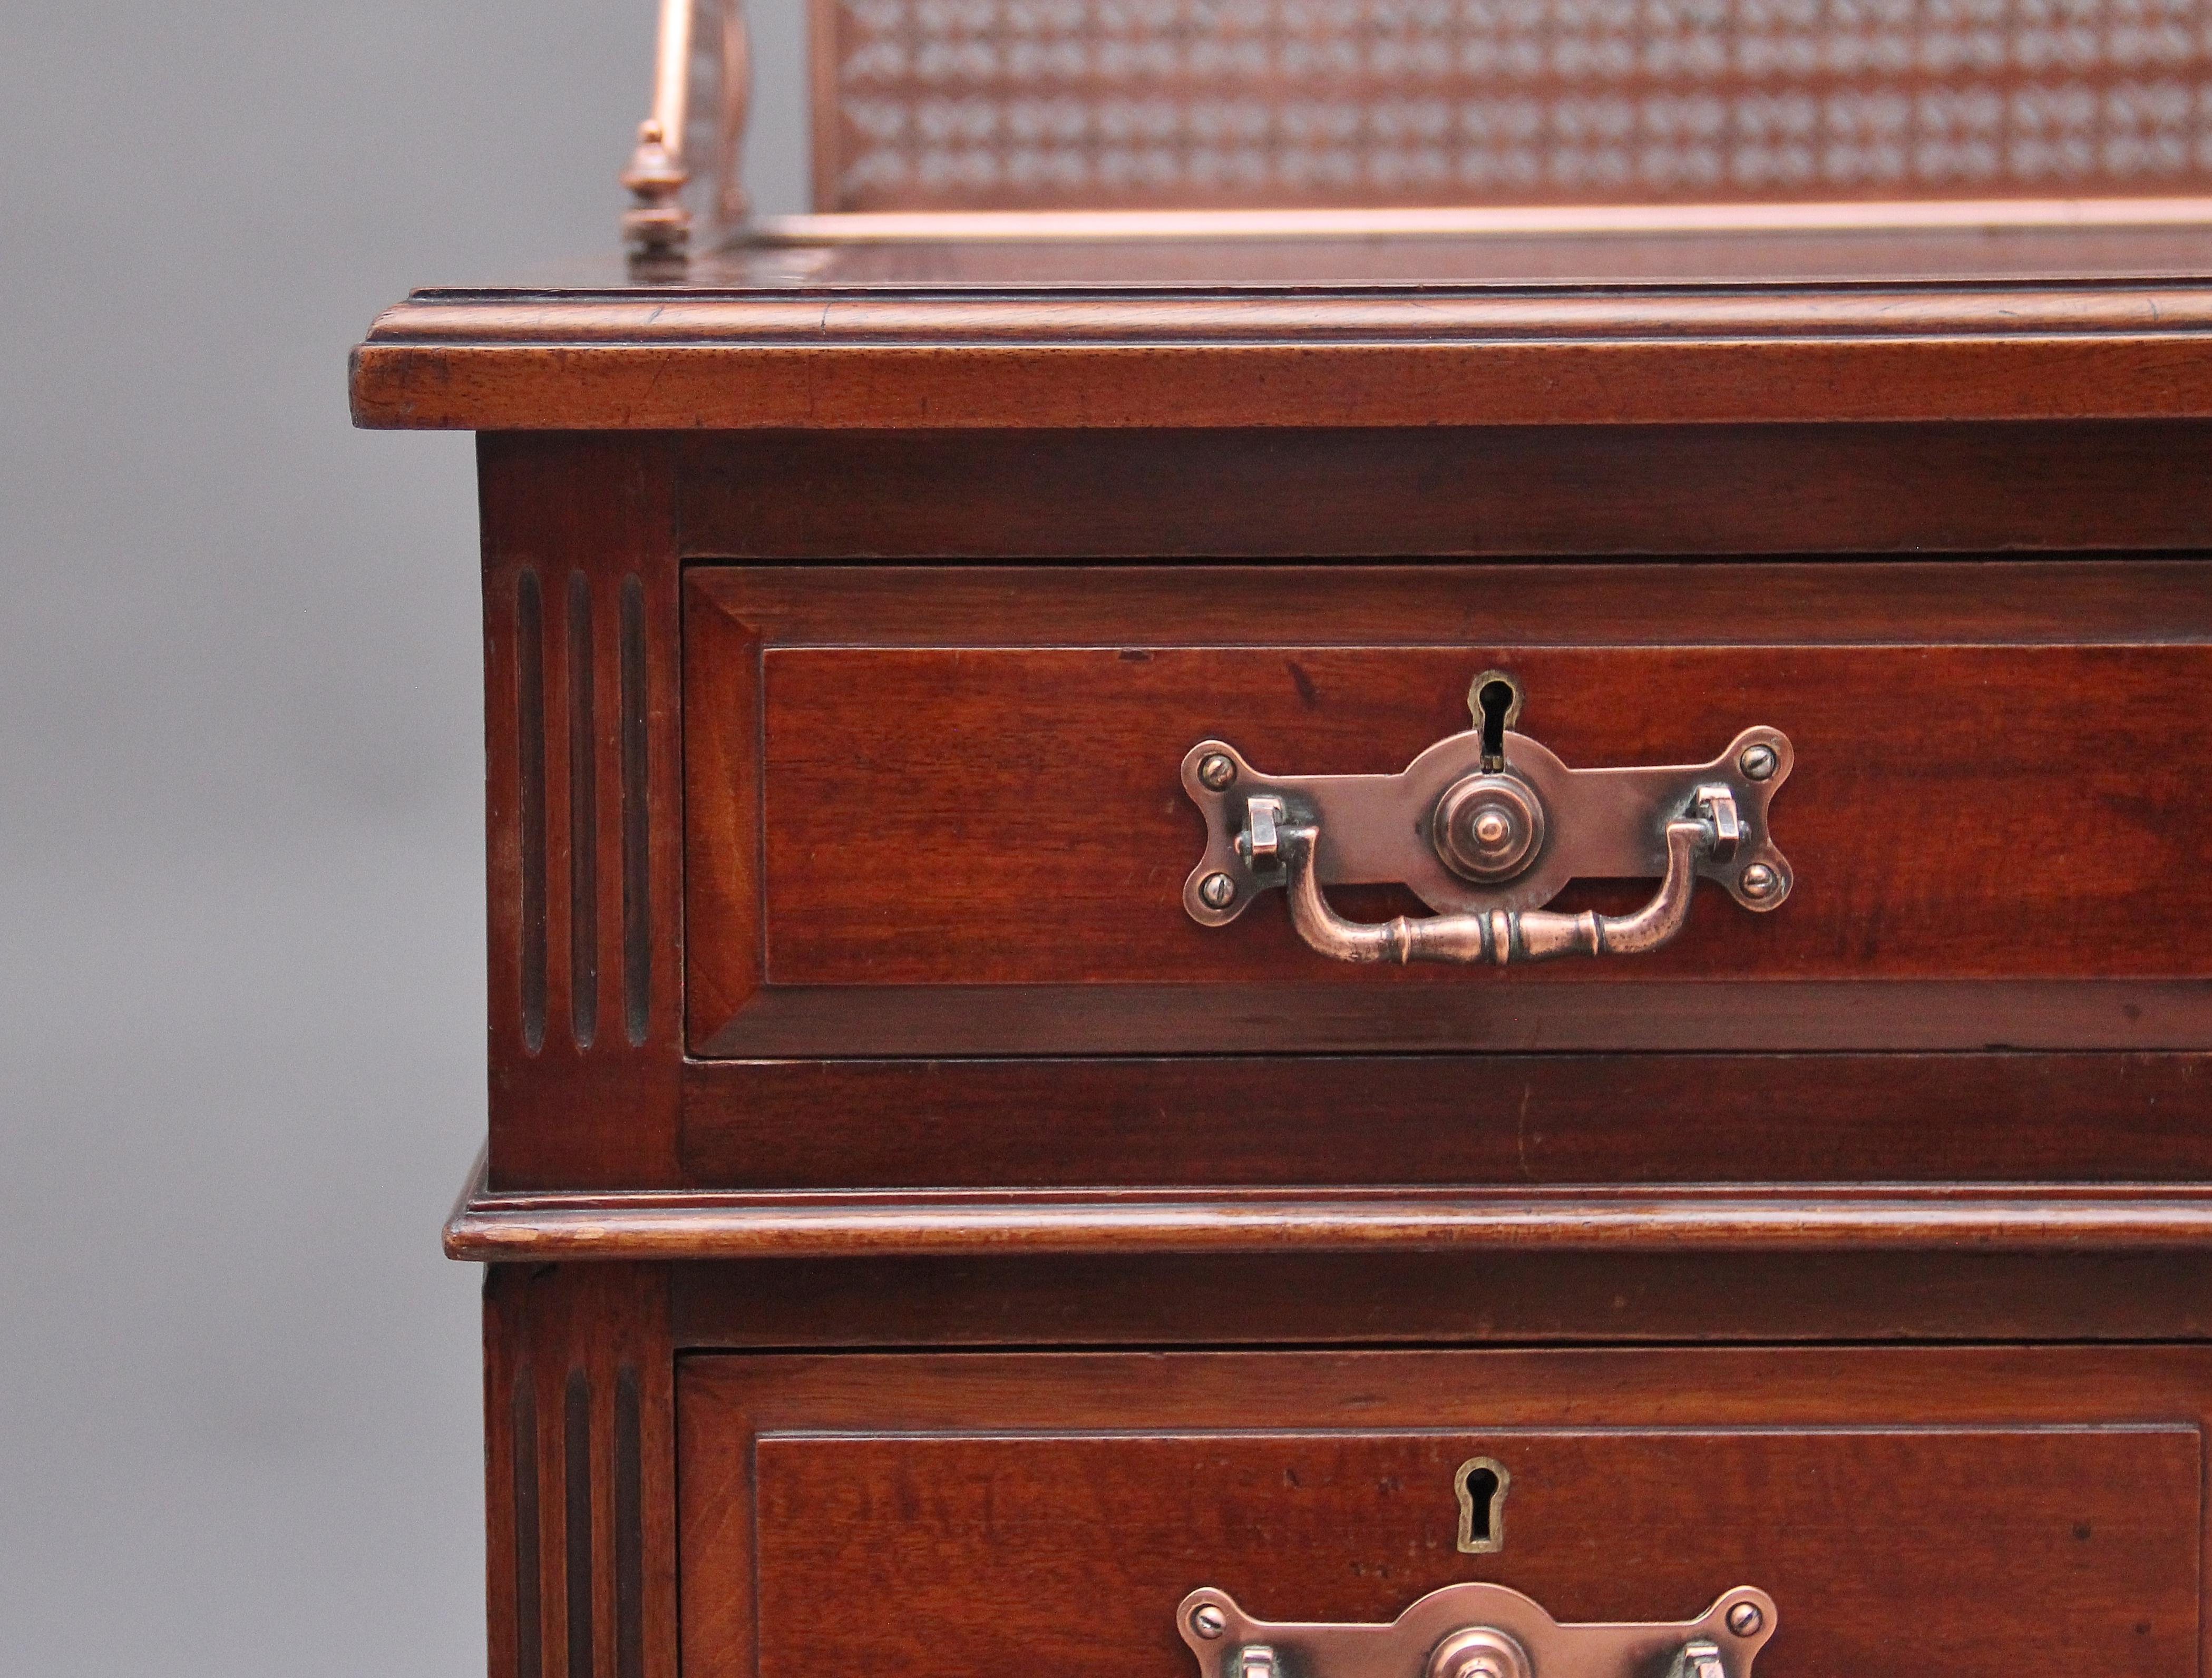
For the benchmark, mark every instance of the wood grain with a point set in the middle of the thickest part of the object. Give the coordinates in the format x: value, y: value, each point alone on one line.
x: 730, y: 613
x: 1449, y: 1119
x: 1976, y: 801
x: 1955, y: 812
x: 800, y: 724
x: 582, y: 787
x: 584, y: 1355
x: 1487, y: 490
x: 1468, y: 1297
x: 1131, y: 357
x: 1857, y: 601
x: 1841, y: 1480
x: 958, y: 1022
x: 940, y: 1548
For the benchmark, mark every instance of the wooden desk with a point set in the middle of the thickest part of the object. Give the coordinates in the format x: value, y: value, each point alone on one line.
x: 921, y: 1236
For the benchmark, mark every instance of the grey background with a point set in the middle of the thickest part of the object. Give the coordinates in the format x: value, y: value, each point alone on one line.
x: 241, y: 928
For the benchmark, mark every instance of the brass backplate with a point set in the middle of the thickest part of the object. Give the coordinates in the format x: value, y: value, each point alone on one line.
x: 1230, y: 1644
x: 1600, y: 824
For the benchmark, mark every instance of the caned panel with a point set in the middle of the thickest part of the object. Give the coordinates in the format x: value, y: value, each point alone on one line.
x: 1035, y: 104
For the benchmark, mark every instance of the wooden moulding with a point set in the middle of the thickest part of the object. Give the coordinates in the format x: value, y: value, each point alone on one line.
x: 1474, y: 221
x: 1180, y: 357
x: 662, y: 1224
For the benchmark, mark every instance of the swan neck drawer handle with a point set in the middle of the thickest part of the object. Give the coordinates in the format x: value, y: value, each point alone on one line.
x: 1496, y: 936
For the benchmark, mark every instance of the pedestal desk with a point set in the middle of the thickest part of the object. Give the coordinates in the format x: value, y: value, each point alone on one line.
x: 1350, y: 944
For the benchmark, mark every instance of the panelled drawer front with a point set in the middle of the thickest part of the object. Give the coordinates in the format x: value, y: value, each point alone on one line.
x: 938, y: 839
x: 939, y: 813
x: 1940, y: 1512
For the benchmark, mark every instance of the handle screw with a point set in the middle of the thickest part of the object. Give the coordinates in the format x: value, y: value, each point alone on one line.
x: 1216, y: 891
x: 1745, y: 1619
x: 1216, y: 769
x: 1205, y: 1619
x: 1758, y: 762
x: 1760, y: 881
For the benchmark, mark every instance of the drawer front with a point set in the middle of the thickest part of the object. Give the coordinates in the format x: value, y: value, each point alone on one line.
x: 943, y: 812
x: 939, y: 836
x: 1944, y: 1512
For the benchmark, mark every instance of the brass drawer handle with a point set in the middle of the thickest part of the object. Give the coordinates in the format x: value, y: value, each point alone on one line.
x: 1486, y: 828
x: 1494, y: 935
x: 1477, y: 1630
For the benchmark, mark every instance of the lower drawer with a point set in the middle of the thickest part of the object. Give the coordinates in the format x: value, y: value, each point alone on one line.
x: 1937, y: 1511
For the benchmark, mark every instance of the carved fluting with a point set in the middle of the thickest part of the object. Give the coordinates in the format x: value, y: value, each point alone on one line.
x: 636, y: 819
x: 1027, y: 103
x: 629, y: 1527
x: 600, y: 1472
x: 530, y: 803
x: 583, y: 818
x: 529, y: 1602
x: 575, y: 660
x: 576, y: 1520
x: 581, y: 1464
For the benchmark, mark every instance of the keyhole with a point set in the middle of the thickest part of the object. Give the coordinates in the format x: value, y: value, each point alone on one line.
x: 1481, y: 1483
x: 1495, y: 699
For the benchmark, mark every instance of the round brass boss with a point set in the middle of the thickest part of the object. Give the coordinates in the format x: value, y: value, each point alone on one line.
x: 1479, y: 1651
x: 1489, y: 827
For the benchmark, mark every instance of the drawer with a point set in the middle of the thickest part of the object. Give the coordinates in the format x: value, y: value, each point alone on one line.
x: 945, y: 830
x: 941, y: 812
x: 1937, y: 1511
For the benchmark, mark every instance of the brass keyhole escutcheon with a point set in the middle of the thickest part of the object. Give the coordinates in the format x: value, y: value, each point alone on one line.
x: 1490, y: 827
x: 1494, y: 699
x: 1481, y: 1483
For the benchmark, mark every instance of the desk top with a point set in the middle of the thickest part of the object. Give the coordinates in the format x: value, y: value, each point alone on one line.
x: 1154, y: 323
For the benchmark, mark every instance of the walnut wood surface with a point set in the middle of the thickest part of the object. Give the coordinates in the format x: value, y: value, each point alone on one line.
x: 939, y: 1500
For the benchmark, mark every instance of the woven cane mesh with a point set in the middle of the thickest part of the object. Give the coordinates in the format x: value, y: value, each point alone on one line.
x: 1009, y: 104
